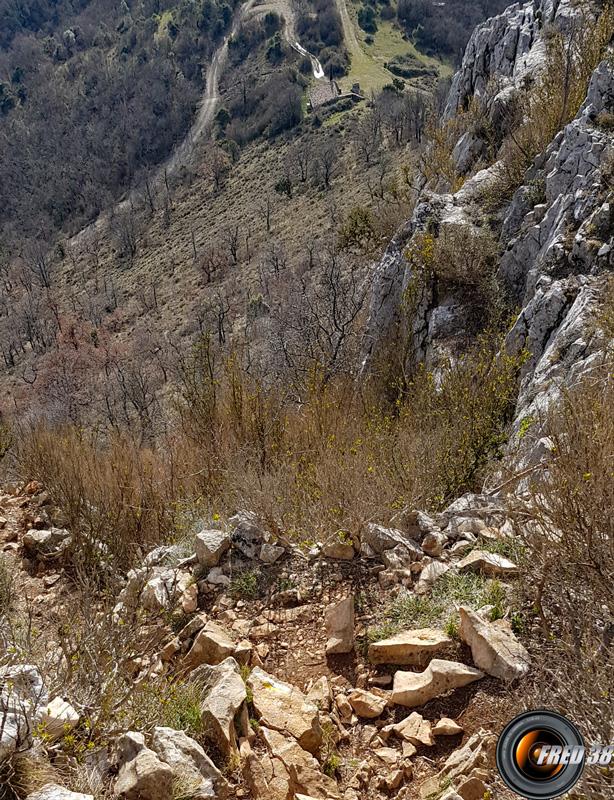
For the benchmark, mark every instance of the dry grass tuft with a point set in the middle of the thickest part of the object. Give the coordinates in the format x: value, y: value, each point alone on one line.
x: 570, y: 569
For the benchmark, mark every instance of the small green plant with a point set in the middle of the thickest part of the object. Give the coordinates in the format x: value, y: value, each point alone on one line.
x: 185, y: 787
x: 165, y: 703
x: 284, y: 584
x: 451, y: 627
x: 245, y: 673
x: 331, y: 765
x: 525, y: 426
x: 245, y: 585
x: 518, y: 623
x: 510, y: 547
x: 449, y: 592
x: 495, y: 596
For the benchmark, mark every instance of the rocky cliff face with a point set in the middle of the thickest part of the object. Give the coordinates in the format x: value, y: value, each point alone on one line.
x: 504, y: 52
x: 555, y: 238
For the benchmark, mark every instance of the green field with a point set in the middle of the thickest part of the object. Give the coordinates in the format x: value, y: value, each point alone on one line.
x: 367, y: 60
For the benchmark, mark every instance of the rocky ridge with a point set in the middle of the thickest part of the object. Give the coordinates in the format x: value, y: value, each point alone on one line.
x: 555, y: 244
x: 380, y: 709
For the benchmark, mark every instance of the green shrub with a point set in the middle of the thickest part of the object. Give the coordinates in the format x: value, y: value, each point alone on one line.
x: 245, y: 585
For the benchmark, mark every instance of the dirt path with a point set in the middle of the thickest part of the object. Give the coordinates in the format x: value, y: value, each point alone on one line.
x: 181, y: 155
x: 208, y: 105
x: 349, y: 32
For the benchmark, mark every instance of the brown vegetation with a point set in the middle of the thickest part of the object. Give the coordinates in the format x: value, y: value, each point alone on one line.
x: 321, y: 456
x: 569, y: 567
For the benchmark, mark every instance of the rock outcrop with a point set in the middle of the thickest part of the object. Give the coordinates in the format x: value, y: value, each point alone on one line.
x: 412, y: 689
x: 556, y: 238
x: 285, y: 708
x: 340, y: 627
x: 409, y: 647
x: 54, y: 792
x: 22, y: 698
x: 494, y: 648
x: 503, y: 52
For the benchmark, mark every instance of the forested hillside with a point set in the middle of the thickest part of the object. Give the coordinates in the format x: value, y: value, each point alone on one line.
x: 90, y: 95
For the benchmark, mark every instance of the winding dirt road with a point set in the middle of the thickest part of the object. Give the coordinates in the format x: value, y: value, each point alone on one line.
x: 181, y: 155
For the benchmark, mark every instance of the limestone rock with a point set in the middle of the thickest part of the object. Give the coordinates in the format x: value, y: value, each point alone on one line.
x: 52, y: 791
x: 338, y: 547
x: 339, y: 623
x: 143, y: 776
x: 165, y: 556
x: 22, y: 697
x: 224, y: 697
x: 285, y: 771
x: 433, y: 544
x: 413, y: 647
x: 303, y: 769
x: 211, y: 646
x: 477, y: 752
x: 415, y: 729
x: 210, y: 546
x: 58, y: 718
x: 156, y: 589
x: 166, y: 588
x: 388, y: 755
x: 247, y: 535
x: 367, y: 704
x: 429, y: 575
x: 270, y: 553
x: 447, y: 727
x: 491, y: 564
x: 189, y: 762
x: 285, y: 708
x: 47, y: 545
x: 344, y: 707
x: 472, y: 788
x: 411, y: 689
x: 320, y: 694
x: 376, y: 539
x: 494, y: 647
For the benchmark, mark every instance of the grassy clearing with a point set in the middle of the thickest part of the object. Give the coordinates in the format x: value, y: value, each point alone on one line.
x: 370, y: 74
x: 368, y: 60
x: 439, y: 608
x: 388, y: 42
x: 512, y: 548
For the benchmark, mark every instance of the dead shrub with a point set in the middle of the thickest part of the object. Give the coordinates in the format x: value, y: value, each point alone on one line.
x: 117, y: 496
x: 336, y: 459
x: 569, y: 530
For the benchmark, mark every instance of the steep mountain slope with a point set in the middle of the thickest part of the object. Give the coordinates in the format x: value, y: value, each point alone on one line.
x: 308, y: 592
x: 554, y: 236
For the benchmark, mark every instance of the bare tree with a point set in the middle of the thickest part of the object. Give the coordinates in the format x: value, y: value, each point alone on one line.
x: 265, y: 209
x: 125, y: 228
x: 231, y: 240
x: 367, y: 136
x: 211, y: 261
x: 36, y: 258
x: 218, y: 167
x: 317, y: 323
x: 326, y: 160
x: 300, y: 157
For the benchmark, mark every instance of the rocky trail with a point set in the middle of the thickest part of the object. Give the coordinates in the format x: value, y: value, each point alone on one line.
x: 296, y: 688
